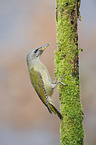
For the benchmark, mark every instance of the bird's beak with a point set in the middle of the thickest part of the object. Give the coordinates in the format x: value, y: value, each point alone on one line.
x: 44, y: 47
x: 41, y: 49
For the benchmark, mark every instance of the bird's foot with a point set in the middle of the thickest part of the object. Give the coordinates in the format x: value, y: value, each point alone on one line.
x: 54, y: 84
x: 61, y: 80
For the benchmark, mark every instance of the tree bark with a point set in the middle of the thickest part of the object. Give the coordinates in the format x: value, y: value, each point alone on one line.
x: 67, y: 62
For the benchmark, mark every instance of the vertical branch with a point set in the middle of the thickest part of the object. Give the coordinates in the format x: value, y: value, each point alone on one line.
x: 67, y: 62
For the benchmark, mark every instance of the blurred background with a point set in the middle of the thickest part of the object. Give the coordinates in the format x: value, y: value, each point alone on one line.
x: 25, y: 25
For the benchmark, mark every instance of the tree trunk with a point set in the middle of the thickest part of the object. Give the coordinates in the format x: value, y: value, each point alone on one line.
x: 67, y: 62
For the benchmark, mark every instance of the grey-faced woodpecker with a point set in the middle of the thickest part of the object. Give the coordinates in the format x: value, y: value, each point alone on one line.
x: 41, y: 79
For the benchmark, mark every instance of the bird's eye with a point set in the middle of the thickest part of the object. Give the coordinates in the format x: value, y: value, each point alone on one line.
x: 35, y: 50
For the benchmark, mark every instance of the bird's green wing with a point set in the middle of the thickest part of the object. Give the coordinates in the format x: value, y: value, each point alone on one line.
x: 38, y: 84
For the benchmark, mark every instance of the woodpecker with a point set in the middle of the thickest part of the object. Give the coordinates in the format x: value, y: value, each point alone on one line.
x: 41, y: 79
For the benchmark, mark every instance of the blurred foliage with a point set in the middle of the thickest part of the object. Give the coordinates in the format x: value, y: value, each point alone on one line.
x: 66, y: 62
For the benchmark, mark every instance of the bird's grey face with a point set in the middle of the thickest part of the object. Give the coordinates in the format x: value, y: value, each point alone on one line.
x: 33, y: 54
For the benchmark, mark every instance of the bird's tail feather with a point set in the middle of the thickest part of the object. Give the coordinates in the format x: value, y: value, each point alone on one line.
x: 55, y: 111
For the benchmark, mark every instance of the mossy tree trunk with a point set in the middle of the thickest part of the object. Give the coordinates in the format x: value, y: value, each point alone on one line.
x: 67, y: 62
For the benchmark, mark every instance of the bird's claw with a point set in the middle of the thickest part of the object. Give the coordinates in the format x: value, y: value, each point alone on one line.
x: 61, y: 80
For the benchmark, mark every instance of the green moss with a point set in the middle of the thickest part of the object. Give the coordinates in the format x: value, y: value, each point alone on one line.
x: 66, y: 62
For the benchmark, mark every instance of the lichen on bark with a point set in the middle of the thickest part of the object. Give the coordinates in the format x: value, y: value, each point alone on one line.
x: 67, y: 62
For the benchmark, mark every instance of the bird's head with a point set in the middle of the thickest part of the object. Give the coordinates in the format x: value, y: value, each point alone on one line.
x: 35, y: 53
